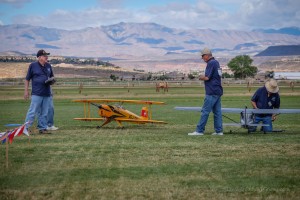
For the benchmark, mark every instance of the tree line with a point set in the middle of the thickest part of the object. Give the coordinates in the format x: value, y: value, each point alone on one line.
x: 67, y: 60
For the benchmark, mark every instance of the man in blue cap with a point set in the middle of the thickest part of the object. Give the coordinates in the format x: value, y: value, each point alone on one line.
x: 41, y: 75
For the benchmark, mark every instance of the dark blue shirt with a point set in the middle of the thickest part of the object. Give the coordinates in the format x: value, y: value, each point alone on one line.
x: 213, y: 86
x: 263, y: 101
x: 38, y: 75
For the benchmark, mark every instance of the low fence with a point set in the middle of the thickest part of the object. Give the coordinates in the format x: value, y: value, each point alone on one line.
x: 225, y: 82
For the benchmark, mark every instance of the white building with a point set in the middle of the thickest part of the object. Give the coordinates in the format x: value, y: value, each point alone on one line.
x: 287, y: 75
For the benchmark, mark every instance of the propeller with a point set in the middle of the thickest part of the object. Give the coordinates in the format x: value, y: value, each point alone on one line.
x: 99, y: 106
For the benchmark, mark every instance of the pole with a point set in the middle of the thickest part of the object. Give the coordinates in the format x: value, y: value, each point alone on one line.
x: 6, y: 151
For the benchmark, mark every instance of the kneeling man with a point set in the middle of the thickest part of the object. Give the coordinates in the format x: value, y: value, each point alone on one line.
x: 266, y: 97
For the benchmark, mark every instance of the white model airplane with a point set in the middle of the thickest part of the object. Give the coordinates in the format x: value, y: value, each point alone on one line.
x: 246, y: 115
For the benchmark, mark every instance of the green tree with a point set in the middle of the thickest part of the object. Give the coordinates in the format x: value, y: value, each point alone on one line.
x: 113, y: 77
x: 242, y: 67
x: 226, y: 75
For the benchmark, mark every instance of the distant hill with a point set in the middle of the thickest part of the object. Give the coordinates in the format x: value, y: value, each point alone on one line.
x: 287, y: 30
x: 282, y: 50
x: 131, y: 41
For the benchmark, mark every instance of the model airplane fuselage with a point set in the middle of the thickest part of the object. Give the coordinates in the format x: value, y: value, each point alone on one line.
x: 118, y: 113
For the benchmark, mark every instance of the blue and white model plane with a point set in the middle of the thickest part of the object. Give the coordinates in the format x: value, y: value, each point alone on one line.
x: 246, y: 115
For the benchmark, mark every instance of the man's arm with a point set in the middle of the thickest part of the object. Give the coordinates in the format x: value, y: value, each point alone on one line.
x: 203, y: 78
x: 254, y: 104
x: 26, y: 92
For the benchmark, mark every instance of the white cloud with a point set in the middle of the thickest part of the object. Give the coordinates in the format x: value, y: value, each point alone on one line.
x: 202, y: 15
x: 75, y: 20
x: 269, y: 13
x: 248, y: 15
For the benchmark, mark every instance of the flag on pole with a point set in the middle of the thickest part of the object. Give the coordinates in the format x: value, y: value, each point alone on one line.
x: 13, y: 133
x: 16, y: 132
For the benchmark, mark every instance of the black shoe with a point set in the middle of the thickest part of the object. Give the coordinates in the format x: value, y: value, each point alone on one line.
x: 44, y: 132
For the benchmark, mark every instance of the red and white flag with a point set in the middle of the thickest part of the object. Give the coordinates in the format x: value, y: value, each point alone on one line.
x: 16, y: 132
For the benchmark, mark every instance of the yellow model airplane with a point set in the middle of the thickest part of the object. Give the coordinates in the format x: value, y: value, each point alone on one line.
x: 118, y: 113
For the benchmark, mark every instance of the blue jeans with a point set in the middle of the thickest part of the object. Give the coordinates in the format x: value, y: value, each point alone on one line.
x: 38, y: 107
x: 211, y: 103
x: 264, y: 120
x: 50, y: 120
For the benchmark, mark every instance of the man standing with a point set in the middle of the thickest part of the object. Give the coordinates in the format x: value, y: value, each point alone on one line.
x: 213, y: 93
x: 39, y: 73
x: 266, y: 97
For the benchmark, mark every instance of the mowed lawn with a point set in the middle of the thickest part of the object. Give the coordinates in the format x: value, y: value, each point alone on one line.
x: 149, y: 161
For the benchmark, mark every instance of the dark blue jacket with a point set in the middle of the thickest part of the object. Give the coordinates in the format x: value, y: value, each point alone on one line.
x: 38, y: 75
x: 263, y: 101
x: 213, y: 71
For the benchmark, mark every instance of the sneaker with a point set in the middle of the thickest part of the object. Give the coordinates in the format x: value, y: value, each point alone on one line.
x: 51, y: 128
x: 195, y: 133
x: 221, y: 133
x: 44, y: 131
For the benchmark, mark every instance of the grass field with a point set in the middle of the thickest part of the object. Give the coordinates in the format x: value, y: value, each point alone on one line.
x: 149, y: 161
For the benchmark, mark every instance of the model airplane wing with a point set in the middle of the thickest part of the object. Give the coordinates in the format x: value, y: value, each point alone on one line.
x: 122, y: 120
x: 140, y: 121
x: 243, y: 124
x: 275, y: 111
x: 119, y: 101
x: 198, y: 109
x: 89, y: 119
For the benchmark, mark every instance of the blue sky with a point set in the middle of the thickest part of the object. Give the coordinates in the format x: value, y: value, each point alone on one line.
x: 182, y: 14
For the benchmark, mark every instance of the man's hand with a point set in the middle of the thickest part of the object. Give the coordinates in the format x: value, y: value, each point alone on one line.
x: 203, y: 78
x: 273, y: 117
x: 26, y: 95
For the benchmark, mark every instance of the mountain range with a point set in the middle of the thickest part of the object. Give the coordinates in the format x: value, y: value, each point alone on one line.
x: 147, y: 46
x: 138, y: 40
x: 283, y: 50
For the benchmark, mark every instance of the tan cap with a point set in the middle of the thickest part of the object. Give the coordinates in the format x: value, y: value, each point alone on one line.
x: 272, y: 86
x: 206, y: 51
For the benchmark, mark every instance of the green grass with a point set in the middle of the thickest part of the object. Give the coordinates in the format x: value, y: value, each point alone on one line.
x: 149, y: 161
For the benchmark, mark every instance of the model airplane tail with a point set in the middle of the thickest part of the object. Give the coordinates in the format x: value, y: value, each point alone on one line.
x: 144, y: 113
